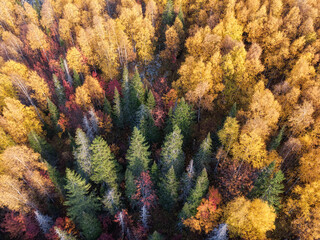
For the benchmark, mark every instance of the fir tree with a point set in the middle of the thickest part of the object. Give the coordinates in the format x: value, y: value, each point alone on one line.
x: 107, y: 107
x: 183, y: 116
x: 145, y: 123
x: 198, y: 192
x: 76, y: 79
x: 56, y: 178
x: 187, y: 181
x: 82, y: 206
x: 117, y: 111
x: 155, y: 236
x: 82, y: 154
x: 104, y: 166
x: 181, y: 16
x: 63, y: 235
x: 111, y: 200
x: 45, y: 222
x: 136, y: 92
x: 168, y: 193
x: 130, y: 186
x: 54, y: 112
x: 204, y: 155
x: 126, y: 97
x: 155, y: 173
x: 233, y: 111
x: 277, y: 140
x: 268, y: 186
x: 138, y: 154
x: 168, y: 14
x: 40, y: 145
x: 59, y: 90
x: 172, y: 154
x: 151, y: 102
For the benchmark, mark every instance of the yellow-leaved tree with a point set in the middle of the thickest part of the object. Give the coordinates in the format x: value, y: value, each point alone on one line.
x: 19, y: 120
x: 249, y: 219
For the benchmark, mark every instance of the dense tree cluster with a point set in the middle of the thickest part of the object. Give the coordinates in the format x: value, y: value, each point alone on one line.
x: 159, y: 119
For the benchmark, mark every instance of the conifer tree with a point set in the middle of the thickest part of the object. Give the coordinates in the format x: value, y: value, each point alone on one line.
x: 187, y: 181
x: 155, y: 173
x: 155, y: 236
x: 168, y: 194
x: 126, y: 104
x: 82, y: 154
x: 138, y: 154
x: 40, y: 145
x: 111, y: 200
x: 168, y: 14
x: 104, y: 166
x: 145, y: 123
x: 117, y: 111
x: 204, y: 155
x: 151, y: 102
x: 59, y: 90
x: 82, y: 206
x: 198, y: 192
x: 269, y: 186
x: 107, y: 106
x: 181, y: 16
x: 172, y: 154
x: 136, y: 92
x: 54, y: 112
x: 76, y: 79
x: 63, y: 235
x: 183, y: 116
x: 277, y: 140
x: 130, y: 186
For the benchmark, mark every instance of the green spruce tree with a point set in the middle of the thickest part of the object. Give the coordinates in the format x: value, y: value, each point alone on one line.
x: 277, y: 140
x: 138, y: 154
x: 136, y: 92
x: 204, y: 155
x: 76, y: 79
x: 168, y: 193
x: 130, y: 187
x: 59, y: 90
x: 183, y: 116
x: 40, y: 145
x: 269, y: 186
x: 155, y: 173
x: 82, y: 154
x: 117, y: 113
x: 126, y: 104
x: 172, y: 154
x: 168, y: 14
x: 151, y: 102
x: 198, y: 192
x: 107, y: 109
x: 54, y: 112
x: 104, y: 166
x: 145, y: 123
x: 82, y: 205
x: 155, y: 236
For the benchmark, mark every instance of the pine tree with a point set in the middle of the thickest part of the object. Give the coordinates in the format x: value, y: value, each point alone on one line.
x: 181, y: 16
x: 82, y: 206
x: 45, y: 222
x: 59, y: 90
x: 126, y: 104
x: 104, y: 166
x: 155, y: 236
x: 111, y: 201
x: 277, y: 140
x: 183, y: 116
x: 136, y: 92
x: 138, y: 154
x: 76, y: 79
x: 233, y: 110
x: 107, y: 107
x: 168, y: 14
x: 40, y: 145
x: 130, y: 186
x: 151, y: 102
x: 82, y: 154
x: 54, y: 112
x: 145, y: 123
x: 187, y: 181
x: 117, y: 111
x: 219, y: 233
x: 269, y: 186
x: 168, y: 194
x: 155, y: 173
x: 198, y: 192
x: 172, y: 154
x: 204, y: 155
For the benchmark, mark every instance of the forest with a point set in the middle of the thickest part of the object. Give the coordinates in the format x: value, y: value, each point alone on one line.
x: 159, y: 119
